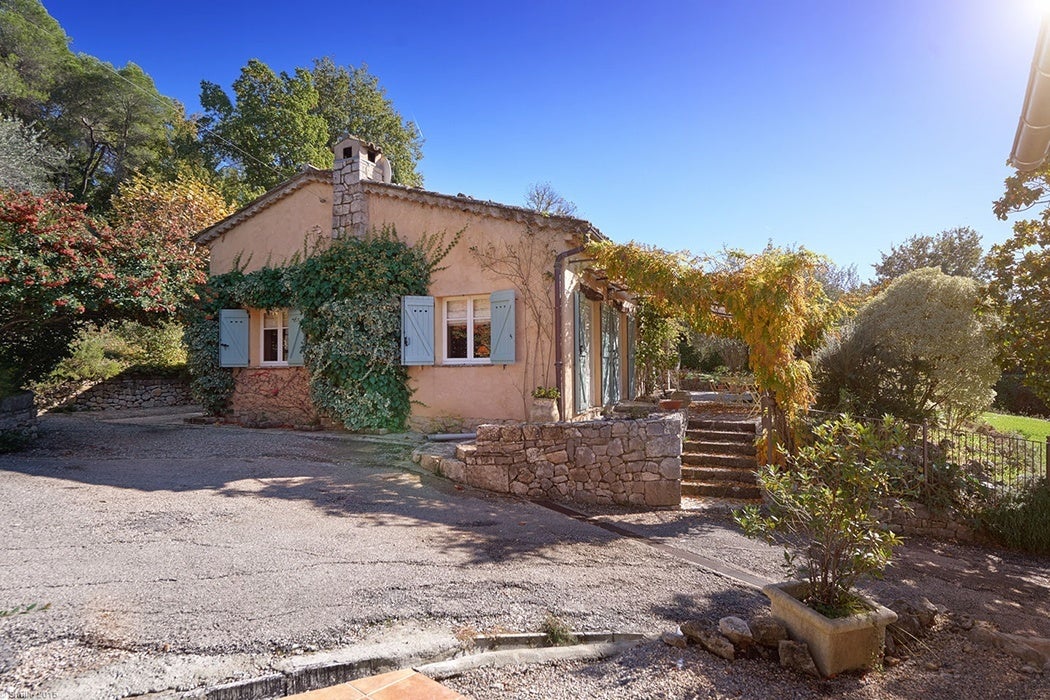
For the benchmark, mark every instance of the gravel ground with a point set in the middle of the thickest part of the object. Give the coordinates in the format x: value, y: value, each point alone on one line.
x: 167, y: 549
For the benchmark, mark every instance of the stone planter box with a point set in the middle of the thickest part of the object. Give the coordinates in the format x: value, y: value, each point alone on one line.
x: 544, y: 411
x: 836, y: 645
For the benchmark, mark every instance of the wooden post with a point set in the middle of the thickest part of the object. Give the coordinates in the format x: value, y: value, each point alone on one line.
x: 767, y: 427
x: 925, y: 455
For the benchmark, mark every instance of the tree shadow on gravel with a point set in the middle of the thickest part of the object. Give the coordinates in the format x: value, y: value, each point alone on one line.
x: 343, y: 478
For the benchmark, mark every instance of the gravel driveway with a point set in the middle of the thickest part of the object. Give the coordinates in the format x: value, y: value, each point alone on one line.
x: 221, y: 543
x: 175, y: 556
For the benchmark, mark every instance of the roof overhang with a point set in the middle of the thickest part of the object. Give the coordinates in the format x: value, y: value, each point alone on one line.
x: 1032, y: 140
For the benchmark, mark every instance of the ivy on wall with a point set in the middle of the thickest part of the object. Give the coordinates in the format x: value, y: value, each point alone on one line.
x: 349, y: 294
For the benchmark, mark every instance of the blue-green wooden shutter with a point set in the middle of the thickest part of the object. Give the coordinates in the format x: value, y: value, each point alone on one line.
x: 295, y: 337
x: 417, y: 330
x: 582, y: 352
x: 501, y: 305
x: 233, y: 338
x: 610, y: 333
x: 632, y: 349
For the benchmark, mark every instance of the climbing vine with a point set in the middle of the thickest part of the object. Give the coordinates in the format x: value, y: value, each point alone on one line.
x: 771, y: 300
x: 348, y: 293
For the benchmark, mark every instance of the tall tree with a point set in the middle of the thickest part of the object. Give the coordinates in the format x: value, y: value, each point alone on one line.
x: 270, y: 129
x: 114, y: 123
x: 1020, y: 279
x: 955, y: 251
x: 274, y: 124
x: 352, y: 102
x: 545, y: 199
x: 34, y: 54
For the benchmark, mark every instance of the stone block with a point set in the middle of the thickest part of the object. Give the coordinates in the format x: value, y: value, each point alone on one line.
x: 487, y: 433
x: 663, y: 493
x: 584, y: 456
x: 558, y: 457
x: 510, y: 434
x: 663, y: 446
x: 671, y: 468
x: 453, y: 469
x: 488, y: 477
x: 530, y: 432
x: 519, y: 489
x: 615, y: 448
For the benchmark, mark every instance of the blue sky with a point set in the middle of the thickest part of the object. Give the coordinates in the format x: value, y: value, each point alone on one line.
x: 841, y: 126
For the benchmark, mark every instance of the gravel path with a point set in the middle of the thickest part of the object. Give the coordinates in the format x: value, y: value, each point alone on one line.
x: 176, y: 556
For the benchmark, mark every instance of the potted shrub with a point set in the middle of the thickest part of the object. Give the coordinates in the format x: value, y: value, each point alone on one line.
x: 823, y: 501
x: 544, y: 408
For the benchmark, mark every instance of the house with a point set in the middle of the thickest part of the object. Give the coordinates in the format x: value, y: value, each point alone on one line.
x: 1032, y: 138
x: 474, y: 347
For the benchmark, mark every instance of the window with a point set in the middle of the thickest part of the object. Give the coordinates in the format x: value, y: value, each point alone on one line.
x: 275, y: 338
x: 468, y: 330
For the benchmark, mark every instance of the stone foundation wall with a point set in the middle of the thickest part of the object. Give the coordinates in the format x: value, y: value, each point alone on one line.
x: 627, y: 462
x: 18, y: 416
x: 121, y: 392
x: 273, y: 395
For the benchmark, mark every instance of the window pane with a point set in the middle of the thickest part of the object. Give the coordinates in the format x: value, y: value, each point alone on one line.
x: 482, y: 338
x: 456, y: 309
x: 270, y: 345
x: 481, y: 309
x: 284, y: 343
x: 269, y: 320
x: 457, y: 340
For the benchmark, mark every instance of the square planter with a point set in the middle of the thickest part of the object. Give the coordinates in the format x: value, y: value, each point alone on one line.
x: 837, y: 645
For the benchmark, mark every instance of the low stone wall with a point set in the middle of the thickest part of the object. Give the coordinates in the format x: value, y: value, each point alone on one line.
x: 273, y: 395
x: 916, y: 520
x: 124, y: 392
x: 18, y: 417
x: 627, y: 462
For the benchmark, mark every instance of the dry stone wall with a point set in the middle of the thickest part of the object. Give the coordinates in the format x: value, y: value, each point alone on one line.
x: 18, y: 416
x: 627, y: 462
x: 913, y: 519
x: 121, y: 392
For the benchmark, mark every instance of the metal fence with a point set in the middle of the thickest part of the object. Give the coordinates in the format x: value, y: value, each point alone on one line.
x: 984, y: 466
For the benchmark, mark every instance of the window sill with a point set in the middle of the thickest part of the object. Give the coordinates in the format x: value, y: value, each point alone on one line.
x: 466, y: 363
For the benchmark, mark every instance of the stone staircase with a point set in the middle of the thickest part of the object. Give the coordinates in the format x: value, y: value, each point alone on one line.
x: 718, y: 459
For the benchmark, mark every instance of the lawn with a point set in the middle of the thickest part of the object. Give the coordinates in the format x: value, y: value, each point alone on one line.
x: 1031, y: 428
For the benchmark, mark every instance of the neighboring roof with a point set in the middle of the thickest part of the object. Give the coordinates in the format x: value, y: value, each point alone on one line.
x: 1032, y: 139
x: 296, y: 182
x: 461, y: 202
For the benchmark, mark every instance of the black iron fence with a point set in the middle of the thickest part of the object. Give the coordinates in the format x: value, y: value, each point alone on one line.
x: 963, y: 465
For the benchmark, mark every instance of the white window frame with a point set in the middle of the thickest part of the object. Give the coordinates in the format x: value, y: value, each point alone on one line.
x: 282, y: 351
x: 469, y: 360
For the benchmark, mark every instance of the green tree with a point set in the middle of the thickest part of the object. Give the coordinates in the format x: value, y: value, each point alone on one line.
x: 1020, y: 279
x: 26, y: 161
x: 274, y: 124
x: 114, y: 123
x: 955, y: 251
x: 270, y: 129
x: 34, y: 54
x: 921, y: 350
x: 352, y: 102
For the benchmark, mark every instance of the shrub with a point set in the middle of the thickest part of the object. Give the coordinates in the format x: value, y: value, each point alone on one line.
x: 1023, y: 521
x: 824, y: 498
x: 920, y: 350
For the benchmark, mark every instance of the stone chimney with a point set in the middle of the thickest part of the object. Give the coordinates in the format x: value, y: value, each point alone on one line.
x: 355, y: 161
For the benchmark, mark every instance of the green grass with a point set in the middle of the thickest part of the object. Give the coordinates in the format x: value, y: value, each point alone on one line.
x: 1031, y: 428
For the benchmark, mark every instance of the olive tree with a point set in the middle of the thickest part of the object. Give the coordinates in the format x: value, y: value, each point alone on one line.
x: 923, y: 349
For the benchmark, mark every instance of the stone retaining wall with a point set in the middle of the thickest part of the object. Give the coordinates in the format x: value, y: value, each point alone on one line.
x: 627, y: 462
x: 916, y: 520
x: 18, y: 416
x: 124, y: 392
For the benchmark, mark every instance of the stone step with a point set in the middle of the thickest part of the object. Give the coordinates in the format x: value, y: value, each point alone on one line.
x: 721, y: 489
x: 742, y: 476
x: 705, y: 459
x: 720, y: 435
x: 727, y: 426
x: 719, y: 448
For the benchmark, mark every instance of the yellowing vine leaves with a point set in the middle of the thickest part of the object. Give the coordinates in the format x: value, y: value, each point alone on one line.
x: 772, y: 301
